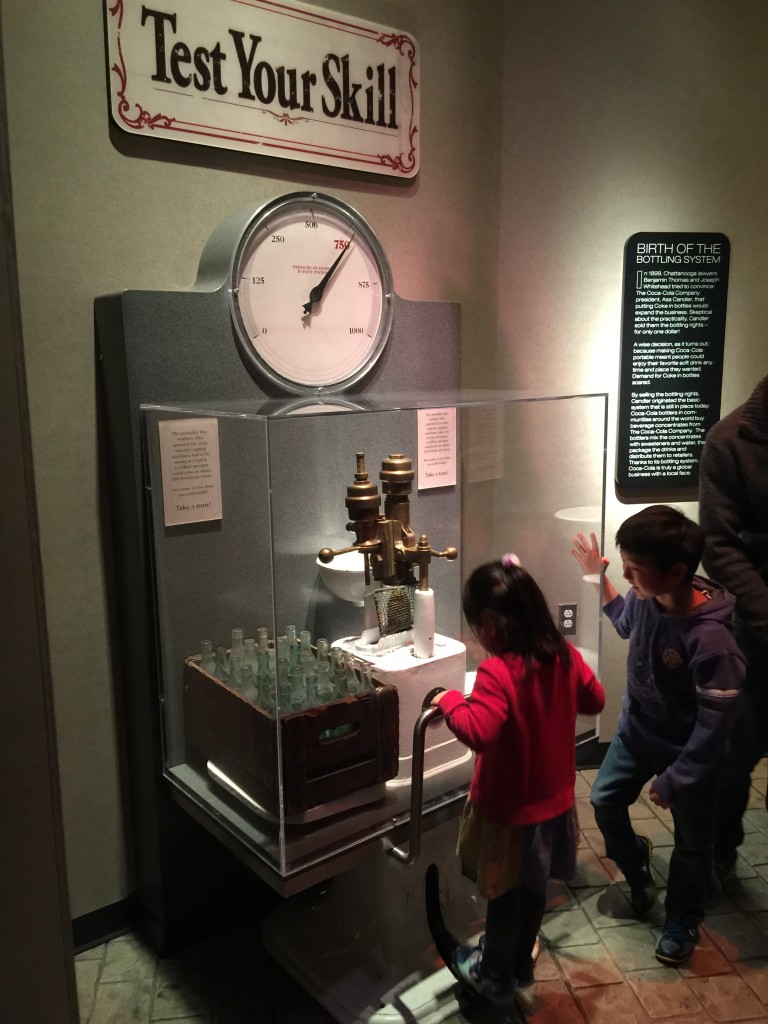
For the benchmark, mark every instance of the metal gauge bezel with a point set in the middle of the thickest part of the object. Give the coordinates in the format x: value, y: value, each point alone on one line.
x: 287, y: 211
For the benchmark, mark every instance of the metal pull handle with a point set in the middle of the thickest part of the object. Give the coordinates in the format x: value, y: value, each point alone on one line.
x: 411, y: 855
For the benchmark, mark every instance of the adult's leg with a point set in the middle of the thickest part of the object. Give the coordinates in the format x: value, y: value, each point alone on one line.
x: 748, y: 742
x: 744, y: 750
x: 619, y: 783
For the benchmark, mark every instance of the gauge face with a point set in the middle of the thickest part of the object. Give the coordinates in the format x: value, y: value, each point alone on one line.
x: 311, y: 294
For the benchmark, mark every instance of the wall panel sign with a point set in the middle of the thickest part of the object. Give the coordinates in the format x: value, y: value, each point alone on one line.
x: 278, y: 79
x: 673, y: 328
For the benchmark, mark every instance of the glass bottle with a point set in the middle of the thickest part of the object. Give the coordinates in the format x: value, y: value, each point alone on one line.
x: 305, y: 642
x: 325, y: 691
x: 264, y: 683
x: 207, y: 657
x: 221, y: 664
x: 262, y: 644
x: 309, y: 676
x: 294, y: 656
x: 295, y: 673
x: 248, y: 682
x: 366, y: 677
x: 249, y: 655
x: 284, y: 698
x: 353, y: 681
x: 236, y: 656
x: 338, y: 672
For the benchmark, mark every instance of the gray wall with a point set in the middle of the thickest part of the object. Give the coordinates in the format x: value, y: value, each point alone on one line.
x: 598, y: 119
x: 99, y: 211
x: 617, y: 118
x: 33, y: 894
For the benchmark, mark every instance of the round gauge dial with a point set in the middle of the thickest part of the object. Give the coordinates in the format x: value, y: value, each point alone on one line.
x: 311, y: 294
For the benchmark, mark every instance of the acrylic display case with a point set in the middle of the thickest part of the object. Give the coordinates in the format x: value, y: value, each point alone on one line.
x: 303, y: 791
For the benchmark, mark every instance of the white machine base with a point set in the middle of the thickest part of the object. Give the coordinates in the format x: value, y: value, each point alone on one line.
x: 362, y: 948
x: 414, y: 678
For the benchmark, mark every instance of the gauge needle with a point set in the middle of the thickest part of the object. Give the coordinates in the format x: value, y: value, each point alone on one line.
x: 317, y: 292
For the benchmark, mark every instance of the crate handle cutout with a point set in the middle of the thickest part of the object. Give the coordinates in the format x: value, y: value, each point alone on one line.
x: 338, y: 732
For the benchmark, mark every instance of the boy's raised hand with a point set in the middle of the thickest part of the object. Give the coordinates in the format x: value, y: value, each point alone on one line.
x: 587, y: 554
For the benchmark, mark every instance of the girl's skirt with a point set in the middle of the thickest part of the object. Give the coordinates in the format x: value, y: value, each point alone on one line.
x: 498, y: 857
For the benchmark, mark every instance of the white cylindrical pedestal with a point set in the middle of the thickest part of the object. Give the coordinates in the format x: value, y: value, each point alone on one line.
x: 424, y: 623
x: 584, y: 519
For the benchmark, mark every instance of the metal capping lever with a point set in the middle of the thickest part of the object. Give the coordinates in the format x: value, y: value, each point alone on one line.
x: 411, y: 855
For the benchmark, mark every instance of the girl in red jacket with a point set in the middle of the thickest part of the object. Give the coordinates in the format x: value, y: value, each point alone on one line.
x: 519, y: 825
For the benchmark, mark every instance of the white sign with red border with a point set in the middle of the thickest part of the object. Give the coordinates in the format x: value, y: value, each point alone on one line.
x: 277, y: 79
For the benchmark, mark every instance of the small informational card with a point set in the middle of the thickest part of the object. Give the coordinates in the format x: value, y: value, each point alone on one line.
x: 437, y: 448
x: 189, y: 459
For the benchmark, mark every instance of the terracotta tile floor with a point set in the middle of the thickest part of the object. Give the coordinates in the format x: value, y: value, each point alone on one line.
x: 598, y: 965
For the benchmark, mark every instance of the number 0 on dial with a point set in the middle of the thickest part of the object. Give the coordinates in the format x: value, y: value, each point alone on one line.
x: 311, y: 294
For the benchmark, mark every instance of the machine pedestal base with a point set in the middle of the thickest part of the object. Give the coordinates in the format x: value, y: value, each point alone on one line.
x: 362, y: 948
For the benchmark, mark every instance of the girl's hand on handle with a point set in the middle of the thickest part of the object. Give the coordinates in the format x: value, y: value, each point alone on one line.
x: 587, y: 554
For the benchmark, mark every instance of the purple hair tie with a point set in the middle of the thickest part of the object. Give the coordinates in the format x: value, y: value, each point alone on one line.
x: 509, y: 559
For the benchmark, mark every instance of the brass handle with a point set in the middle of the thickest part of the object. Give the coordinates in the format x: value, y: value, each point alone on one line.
x: 327, y: 555
x: 449, y: 553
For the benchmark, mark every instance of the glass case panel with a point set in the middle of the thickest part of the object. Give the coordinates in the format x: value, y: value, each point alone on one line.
x: 305, y: 758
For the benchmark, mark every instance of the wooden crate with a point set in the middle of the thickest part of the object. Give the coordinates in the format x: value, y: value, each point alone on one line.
x: 235, y: 734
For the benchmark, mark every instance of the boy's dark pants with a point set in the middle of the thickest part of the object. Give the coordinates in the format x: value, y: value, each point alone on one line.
x: 622, y: 776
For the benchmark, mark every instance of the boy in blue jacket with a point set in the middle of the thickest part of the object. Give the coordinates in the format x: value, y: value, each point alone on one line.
x: 684, y: 671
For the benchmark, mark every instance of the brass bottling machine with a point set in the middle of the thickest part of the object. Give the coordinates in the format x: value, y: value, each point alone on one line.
x: 398, y: 636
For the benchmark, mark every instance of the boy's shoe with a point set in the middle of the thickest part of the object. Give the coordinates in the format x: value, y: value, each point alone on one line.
x: 642, y: 888
x: 676, y: 944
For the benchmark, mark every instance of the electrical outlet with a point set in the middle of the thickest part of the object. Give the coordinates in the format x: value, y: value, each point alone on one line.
x: 566, y: 619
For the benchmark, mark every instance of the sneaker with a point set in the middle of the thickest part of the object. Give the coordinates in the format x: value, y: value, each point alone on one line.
x: 642, y: 888
x: 468, y: 966
x: 676, y: 944
x: 466, y: 963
